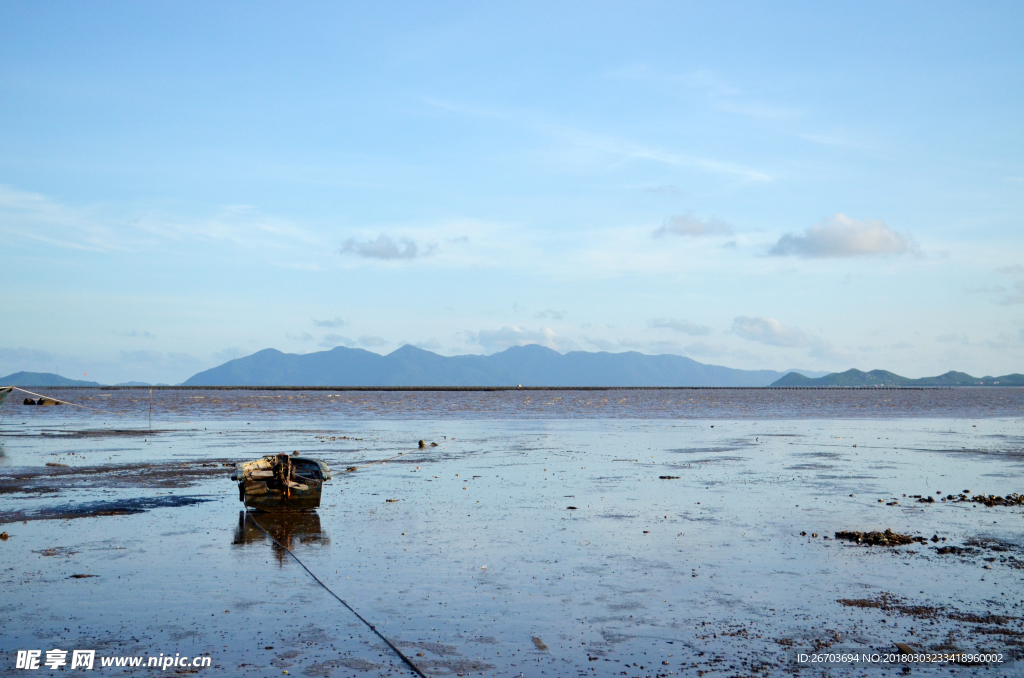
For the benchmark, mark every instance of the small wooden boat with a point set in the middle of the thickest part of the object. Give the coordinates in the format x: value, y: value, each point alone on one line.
x: 281, y: 482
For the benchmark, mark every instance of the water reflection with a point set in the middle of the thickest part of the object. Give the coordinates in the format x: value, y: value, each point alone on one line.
x: 293, y: 530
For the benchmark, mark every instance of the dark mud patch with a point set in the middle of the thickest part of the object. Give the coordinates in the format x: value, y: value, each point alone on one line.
x: 331, y: 665
x: 106, y: 433
x: 888, y: 602
x: 454, y: 666
x: 65, y: 551
x: 989, y: 500
x: 166, y: 475
x: 710, y: 460
x: 122, y: 507
x: 887, y: 538
x: 440, y: 649
x: 703, y: 450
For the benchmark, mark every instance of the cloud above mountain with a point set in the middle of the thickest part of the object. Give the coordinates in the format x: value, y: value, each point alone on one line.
x: 513, y: 335
x: 688, y: 225
x: 769, y: 331
x: 386, y: 247
x: 679, y: 325
x: 841, y: 236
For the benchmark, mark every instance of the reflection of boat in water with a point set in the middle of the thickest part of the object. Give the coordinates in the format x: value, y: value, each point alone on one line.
x: 281, y: 483
x: 290, y: 529
x: 4, y: 392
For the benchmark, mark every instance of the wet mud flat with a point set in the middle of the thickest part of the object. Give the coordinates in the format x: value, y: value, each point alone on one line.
x: 693, y: 547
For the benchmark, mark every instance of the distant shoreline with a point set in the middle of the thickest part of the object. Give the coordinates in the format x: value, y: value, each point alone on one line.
x: 522, y: 388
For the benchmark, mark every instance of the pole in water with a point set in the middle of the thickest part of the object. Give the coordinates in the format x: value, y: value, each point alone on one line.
x: 150, y: 409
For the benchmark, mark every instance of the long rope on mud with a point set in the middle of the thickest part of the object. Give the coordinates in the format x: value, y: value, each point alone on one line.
x: 338, y: 598
x: 66, y: 402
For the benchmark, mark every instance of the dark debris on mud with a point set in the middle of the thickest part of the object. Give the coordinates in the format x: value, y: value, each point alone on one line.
x: 120, y: 507
x: 887, y: 538
x: 990, y: 500
x: 166, y: 475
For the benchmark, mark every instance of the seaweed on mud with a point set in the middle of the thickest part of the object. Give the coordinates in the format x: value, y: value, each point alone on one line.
x: 888, y: 602
x: 887, y: 538
x: 990, y: 500
x: 119, y: 507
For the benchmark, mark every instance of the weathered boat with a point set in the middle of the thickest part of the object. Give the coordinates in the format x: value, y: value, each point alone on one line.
x: 4, y: 392
x: 281, y: 482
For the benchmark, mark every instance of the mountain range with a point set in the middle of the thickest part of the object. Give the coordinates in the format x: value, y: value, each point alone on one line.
x: 883, y: 378
x: 41, y: 379
x: 530, y: 365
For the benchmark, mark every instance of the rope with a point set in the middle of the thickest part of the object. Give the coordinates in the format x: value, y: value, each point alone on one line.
x: 338, y: 598
x: 84, y: 407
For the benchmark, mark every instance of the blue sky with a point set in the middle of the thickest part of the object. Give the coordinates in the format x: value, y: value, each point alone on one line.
x: 758, y: 185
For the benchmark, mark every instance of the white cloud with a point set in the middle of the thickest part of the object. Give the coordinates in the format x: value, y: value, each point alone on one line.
x: 678, y: 325
x: 551, y: 313
x: 769, y: 331
x: 332, y: 340
x: 372, y: 341
x: 703, y: 348
x: 1016, y: 296
x: 385, y: 247
x: 688, y: 225
x: 841, y: 236
x: 512, y: 335
x: 333, y: 323
x: 135, y: 334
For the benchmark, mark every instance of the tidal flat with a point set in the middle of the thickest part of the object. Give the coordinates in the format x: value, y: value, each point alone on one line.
x: 548, y: 533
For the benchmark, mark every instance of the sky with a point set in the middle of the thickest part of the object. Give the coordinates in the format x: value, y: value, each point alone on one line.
x: 757, y: 185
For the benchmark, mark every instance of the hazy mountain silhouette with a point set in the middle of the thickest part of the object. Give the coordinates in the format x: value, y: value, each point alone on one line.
x: 41, y: 379
x: 883, y: 378
x: 527, y: 365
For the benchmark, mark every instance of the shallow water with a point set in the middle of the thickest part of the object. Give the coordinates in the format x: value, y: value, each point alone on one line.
x: 480, y: 554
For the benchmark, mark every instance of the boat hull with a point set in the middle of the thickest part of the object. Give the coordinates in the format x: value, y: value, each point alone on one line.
x: 281, y: 483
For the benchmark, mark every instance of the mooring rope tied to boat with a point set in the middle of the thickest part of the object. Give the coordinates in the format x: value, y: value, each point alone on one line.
x: 373, y: 628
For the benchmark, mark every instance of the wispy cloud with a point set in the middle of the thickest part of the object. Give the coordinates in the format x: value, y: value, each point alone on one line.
x: 386, y: 247
x: 769, y: 331
x: 371, y: 341
x: 332, y: 340
x: 1016, y: 296
x: 135, y: 334
x: 301, y: 336
x: 551, y: 313
x: 689, y: 225
x: 841, y: 236
x: 333, y: 323
x: 610, y: 145
x: 513, y: 335
x: 679, y: 325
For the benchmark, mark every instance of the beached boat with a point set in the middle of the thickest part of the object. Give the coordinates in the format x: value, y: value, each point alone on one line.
x: 4, y: 392
x: 281, y: 482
